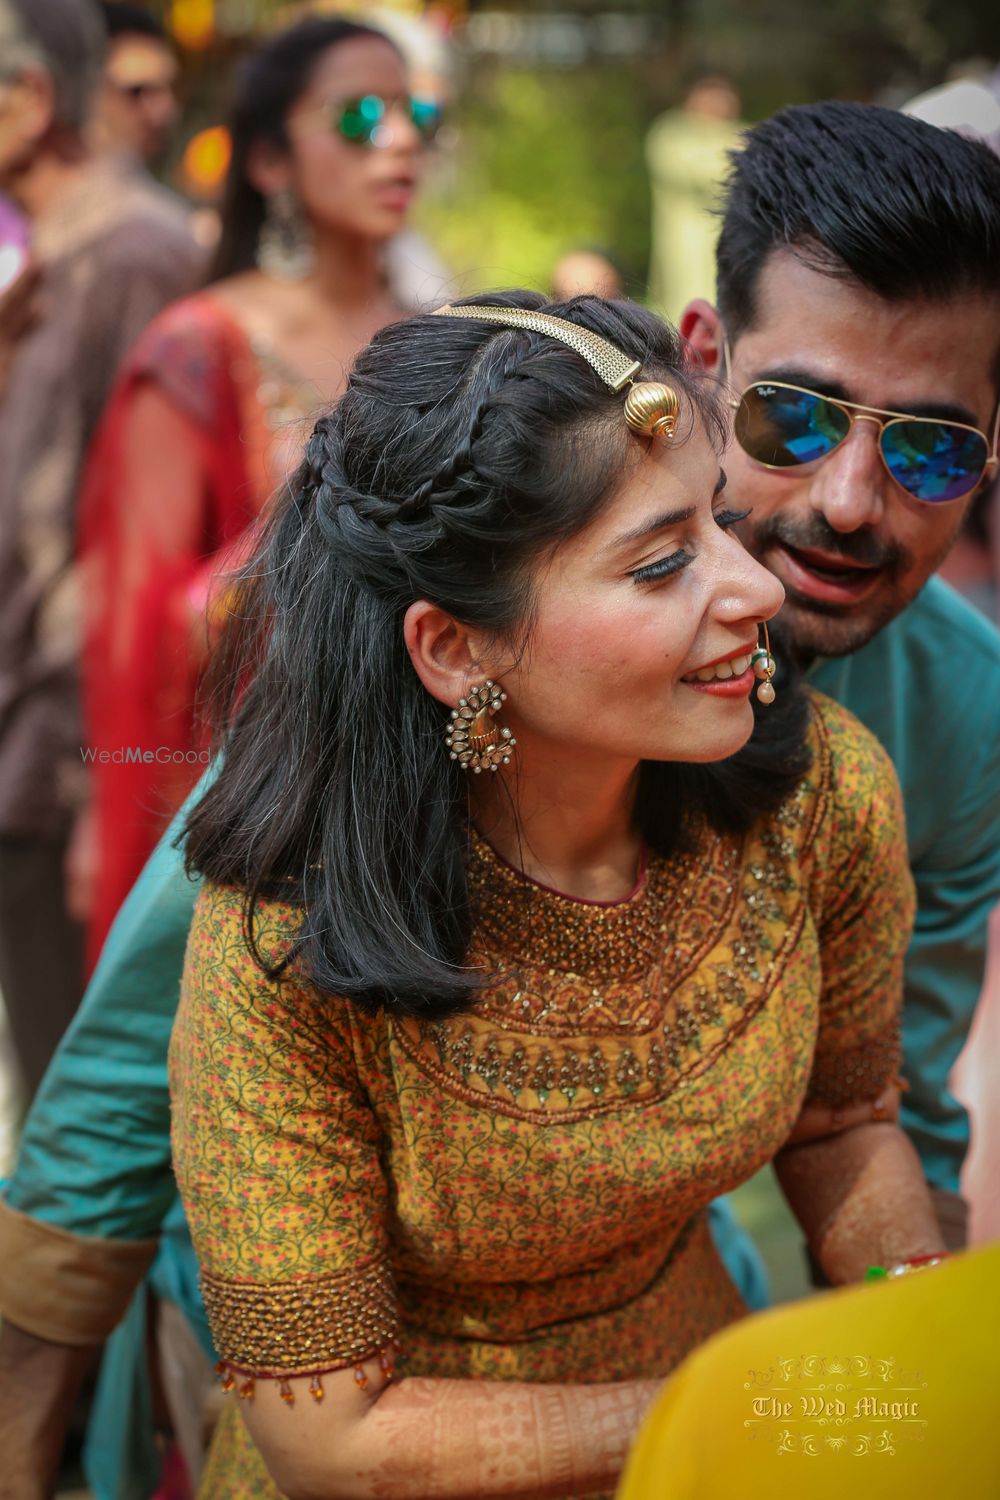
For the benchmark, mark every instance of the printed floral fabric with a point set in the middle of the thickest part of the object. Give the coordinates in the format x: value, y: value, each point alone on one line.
x: 519, y: 1192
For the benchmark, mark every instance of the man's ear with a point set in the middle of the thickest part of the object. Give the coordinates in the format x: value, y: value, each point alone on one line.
x: 701, y: 328
x: 443, y: 652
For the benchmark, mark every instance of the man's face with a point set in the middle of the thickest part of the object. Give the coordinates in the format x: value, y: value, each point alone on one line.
x: 850, y: 546
x: 138, y: 107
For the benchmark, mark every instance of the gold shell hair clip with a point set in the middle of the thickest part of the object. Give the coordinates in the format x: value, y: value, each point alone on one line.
x: 650, y: 408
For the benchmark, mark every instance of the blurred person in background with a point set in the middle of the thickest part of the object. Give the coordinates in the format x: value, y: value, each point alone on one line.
x: 207, y: 418
x: 136, y: 110
x: 586, y: 273
x: 972, y: 107
x: 418, y: 275
x: 103, y: 258
x: 686, y: 151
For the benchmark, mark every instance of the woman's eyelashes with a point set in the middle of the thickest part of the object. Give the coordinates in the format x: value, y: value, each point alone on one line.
x: 662, y: 568
x: 665, y: 567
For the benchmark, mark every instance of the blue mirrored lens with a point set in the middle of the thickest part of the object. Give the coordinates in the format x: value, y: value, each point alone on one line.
x: 934, y: 461
x: 782, y: 426
x: 426, y: 116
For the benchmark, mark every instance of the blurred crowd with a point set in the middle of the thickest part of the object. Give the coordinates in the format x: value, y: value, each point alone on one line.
x: 159, y: 373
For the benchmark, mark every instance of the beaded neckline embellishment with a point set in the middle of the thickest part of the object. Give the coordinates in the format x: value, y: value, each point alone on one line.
x: 595, y: 1007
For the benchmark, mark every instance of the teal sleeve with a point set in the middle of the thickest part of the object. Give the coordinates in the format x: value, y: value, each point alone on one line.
x: 929, y: 687
x: 95, y: 1152
x: 958, y: 885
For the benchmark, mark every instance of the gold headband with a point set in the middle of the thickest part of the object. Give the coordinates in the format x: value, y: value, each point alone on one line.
x: 650, y: 408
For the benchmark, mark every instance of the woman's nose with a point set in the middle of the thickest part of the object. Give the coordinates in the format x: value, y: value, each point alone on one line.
x: 754, y: 593
x: 398, y: 130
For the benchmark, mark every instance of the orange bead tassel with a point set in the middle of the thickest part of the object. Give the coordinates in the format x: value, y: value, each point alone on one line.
x: 245, y: 1391
x: 316, y: 1390
x: 286, y: 1393
x: 360, y: 1378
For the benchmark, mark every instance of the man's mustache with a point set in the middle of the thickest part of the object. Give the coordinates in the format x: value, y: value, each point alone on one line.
x: 858, y: 547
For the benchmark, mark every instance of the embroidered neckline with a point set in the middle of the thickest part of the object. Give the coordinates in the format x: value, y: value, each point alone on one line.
x: 489, y: 852
x: 522, y: 919
x: 593, y: 1007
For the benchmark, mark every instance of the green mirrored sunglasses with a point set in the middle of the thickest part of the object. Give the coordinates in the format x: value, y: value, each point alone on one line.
x: 360, y: 120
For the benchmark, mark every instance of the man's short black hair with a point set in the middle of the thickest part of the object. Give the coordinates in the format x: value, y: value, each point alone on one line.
x: 130, y: 20
x: 904, y: 208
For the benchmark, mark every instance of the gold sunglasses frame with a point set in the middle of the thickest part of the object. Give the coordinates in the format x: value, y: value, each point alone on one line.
x: 855, y: 412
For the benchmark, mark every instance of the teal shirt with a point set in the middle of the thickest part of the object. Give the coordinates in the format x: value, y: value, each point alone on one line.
x: 928, y: 686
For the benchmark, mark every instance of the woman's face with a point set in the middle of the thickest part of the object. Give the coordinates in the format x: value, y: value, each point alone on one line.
x: 359, y: 190
x: 632, y: 614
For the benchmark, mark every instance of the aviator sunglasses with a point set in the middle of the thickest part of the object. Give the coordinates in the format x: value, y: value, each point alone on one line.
x: 783, y: 426
x: 360, y: 120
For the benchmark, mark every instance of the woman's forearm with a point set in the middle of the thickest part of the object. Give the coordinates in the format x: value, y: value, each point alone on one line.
x: 861, y: 1199
x: 444, y: 1439
x: 427, y: 1439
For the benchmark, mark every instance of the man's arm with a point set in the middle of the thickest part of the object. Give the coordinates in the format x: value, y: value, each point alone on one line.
x: 39, y: 1382
x: 941, y: 727
x: 860, y: 1198
x: 79, y: 1219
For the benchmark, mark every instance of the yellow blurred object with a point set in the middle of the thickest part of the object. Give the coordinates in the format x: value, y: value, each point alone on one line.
x: 206, y: 159
x: 192, y: 23
x: 877, y: 1392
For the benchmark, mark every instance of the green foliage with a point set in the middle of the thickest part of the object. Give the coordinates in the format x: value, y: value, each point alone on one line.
x: 544, y: 162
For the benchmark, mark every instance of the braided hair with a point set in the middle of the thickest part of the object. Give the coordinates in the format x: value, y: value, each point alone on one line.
x: 460, y: 453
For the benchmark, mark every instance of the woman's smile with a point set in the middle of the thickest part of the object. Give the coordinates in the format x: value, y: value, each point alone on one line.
x: 727, y: 677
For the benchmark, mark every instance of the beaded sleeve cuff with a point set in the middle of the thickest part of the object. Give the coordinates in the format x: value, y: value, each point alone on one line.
x: 303, y: 1326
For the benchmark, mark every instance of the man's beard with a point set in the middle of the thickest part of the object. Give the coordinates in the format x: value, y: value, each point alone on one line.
x: 816, y: 627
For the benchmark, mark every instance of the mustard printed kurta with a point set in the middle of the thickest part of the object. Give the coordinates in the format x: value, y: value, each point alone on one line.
x: 520, y: 1192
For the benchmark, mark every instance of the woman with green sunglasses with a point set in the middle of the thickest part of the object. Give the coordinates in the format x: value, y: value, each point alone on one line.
x: 327, y: 154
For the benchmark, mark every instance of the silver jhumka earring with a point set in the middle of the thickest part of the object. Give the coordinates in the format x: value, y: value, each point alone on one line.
x: 284, y: 245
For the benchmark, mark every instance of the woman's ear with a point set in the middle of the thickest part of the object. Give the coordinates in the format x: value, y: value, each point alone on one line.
x: 443, y: 652
x: 701, y: 328
x: 268, y: 168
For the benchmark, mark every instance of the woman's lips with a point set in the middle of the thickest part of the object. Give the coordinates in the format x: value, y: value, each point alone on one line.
x: 816, y: 577
x: 395, y: 195
x: 726, y: 687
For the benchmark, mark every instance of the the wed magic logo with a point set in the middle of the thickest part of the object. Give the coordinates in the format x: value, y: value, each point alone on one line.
x: 848, y: 1405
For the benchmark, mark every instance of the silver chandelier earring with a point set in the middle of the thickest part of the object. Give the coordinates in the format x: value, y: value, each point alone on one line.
x: 284, y: 245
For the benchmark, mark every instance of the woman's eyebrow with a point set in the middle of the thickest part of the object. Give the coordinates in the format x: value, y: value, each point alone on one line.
x: 655, y: 523
x: 663, y: 520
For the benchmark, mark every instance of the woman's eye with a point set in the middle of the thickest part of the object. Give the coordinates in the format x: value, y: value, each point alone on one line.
x: 662, y: 568
x: 727, y: 518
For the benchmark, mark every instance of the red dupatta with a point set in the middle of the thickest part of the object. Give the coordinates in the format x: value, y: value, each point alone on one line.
x: 143, y: 659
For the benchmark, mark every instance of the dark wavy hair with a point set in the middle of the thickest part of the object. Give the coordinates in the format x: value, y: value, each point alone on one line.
x: 460, y: 455
x: 269, y: 83
x: 904, y: 208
